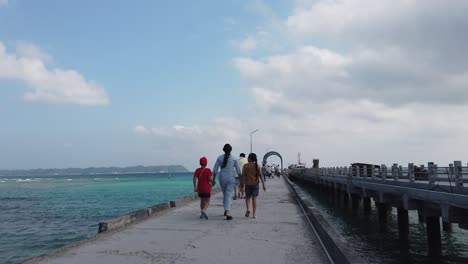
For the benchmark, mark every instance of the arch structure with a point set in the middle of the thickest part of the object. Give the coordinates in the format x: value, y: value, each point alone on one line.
x: 272, y: 153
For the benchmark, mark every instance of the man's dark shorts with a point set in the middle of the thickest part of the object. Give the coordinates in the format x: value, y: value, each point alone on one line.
x: 251, y: 190
x: 204, y: 195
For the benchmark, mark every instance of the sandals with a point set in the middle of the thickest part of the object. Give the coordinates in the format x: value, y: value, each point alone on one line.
x: 247, y: 214
x: 229, y: 217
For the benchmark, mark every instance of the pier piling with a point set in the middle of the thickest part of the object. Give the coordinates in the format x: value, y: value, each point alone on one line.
x: 433, y: 235
x: 355, y: 201
x: 383, y: 212
x: 446, y: 226
x: 421, y: 217
x: 366, y: 203
x: 403, y: 224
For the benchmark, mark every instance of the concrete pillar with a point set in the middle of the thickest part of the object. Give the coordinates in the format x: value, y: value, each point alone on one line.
x: 432, y: 173
x: 339, y: 197
x: 384, y: 172
x: 383, y: 212
x: 458, y: 175
x: 403, y: 224
x: 421, y: 218
x: 366, y: 203
x: 411, y: 172
x: 446, y: 226
x: 345, y: 198
x: 355, y: 201
x: 395, y: 171
x: 433, y: 235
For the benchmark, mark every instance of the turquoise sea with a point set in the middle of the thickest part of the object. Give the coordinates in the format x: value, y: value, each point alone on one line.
x: 44, y: 213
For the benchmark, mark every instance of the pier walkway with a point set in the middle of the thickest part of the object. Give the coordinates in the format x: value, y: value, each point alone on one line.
x: 279, y: 235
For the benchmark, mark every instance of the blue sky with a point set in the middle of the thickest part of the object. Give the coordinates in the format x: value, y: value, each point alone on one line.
x: 117, y: 83
x: 159, y: 62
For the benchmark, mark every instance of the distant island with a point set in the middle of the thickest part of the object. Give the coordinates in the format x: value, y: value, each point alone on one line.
x: 94, y: 170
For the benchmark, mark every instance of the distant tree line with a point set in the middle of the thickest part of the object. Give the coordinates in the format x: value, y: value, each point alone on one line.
x: 95, y: 170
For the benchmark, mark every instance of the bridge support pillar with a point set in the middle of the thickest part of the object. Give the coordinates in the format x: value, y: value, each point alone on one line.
x: 366, y: 203
x: 355, y: 201
x: 433, y: 235
x: 446, y: 226
x: 421, y: 217
x: 383, y: 212
x: 345, y: 198
x: 403, y: 224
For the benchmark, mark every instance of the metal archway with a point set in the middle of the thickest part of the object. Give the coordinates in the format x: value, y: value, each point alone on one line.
x: 271, y: 153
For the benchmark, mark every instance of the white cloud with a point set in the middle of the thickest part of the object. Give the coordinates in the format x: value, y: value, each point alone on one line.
x: 369, y: 81
x: 248, y: 44
x: 55, y: 85
x: 3, y: 2
x: 187, y: 144
x: 28, y: 50
x: 219, y: 130
x: 141, y: 130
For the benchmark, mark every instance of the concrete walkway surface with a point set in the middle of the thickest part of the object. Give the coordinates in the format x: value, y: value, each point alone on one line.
x: 279, y: 235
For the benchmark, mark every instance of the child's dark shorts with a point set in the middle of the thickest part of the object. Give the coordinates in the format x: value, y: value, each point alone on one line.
x: 251, y: 190
x: 204, y: 195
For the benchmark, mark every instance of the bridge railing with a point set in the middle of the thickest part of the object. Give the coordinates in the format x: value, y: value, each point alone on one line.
x: 455, y: 174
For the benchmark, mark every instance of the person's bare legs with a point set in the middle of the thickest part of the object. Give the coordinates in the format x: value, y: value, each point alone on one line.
x: 207, y: 203
x: 247, y: 204
x: 235, y: 191
x: 254, y: 206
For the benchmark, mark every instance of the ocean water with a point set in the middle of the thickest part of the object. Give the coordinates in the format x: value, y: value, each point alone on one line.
x: 378, y: 243
x: 44, y: 213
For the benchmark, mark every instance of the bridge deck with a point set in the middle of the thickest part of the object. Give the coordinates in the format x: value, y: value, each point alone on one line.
x: 279, y: 235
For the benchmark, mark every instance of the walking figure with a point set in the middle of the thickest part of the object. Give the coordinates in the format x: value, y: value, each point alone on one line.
x: 252, y: 175
x: 203, y: 187
x: 228, y: 169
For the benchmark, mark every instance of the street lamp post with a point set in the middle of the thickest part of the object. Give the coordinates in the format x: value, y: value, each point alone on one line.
x: 251, y: 138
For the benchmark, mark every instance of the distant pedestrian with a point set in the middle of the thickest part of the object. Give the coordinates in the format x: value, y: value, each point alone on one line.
x: 268, y: 168
x: 252, y: 175
x: 264, y: 171
x: 242, y: 161
x: 203, y: 187
x: 228, y: 169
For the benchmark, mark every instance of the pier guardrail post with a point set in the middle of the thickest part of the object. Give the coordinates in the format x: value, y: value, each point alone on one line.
x: 432, y: 171
x: 384, y: 172
x: 400, y: 172
x: 458, y: 175
x: 395, y: 171
x: 365, y: 172
x: 451, y: 174
x: 411, y: 172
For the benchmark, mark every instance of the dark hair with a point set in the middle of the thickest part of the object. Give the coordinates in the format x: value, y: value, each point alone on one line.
x: 253, y: 157
x: 227, y: 152
x: 242, y: 155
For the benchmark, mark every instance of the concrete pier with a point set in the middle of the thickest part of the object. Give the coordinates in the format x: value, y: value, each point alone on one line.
x: 280, y: 234
x: 366, y: 202
x: 403, y: 224
x: 433, y: 235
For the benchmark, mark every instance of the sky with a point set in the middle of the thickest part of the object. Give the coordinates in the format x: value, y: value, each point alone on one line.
x: 122, y: 83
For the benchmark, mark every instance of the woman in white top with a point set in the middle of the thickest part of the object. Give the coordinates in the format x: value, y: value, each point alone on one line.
x: 228, y: 169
